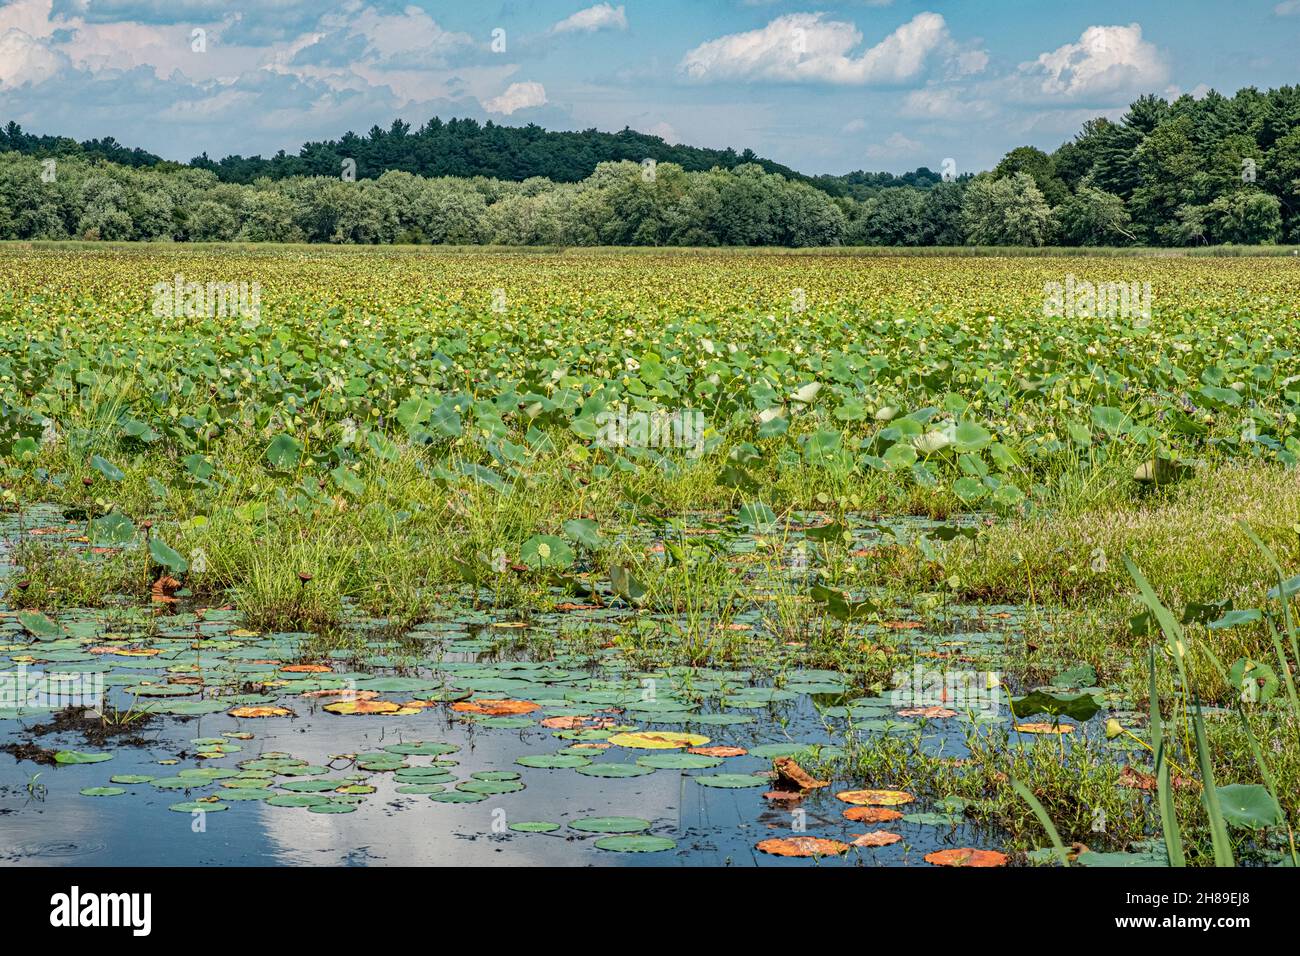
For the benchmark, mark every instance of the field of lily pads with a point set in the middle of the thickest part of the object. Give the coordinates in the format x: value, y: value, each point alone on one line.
x: 649, y: 558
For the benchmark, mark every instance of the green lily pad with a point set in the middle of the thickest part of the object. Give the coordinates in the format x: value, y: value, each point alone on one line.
x: 194, y: 806
x: 297, y: 800
x: 77, y: 756
x: 610, y: 824
x: 534, y: 826
x: 614, y: 770
x: 457, y: 796
x: 731, y: 781
x: 640, y: 843
x: 553, y: 761
x: 490, y: 787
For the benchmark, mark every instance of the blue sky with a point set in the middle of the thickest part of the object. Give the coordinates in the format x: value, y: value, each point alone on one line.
x: 827, y: 86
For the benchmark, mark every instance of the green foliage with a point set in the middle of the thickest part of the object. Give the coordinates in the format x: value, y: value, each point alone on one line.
x: 1213, y: 170
x: 1005, y: 212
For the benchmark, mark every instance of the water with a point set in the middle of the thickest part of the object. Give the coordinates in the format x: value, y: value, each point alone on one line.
x: 464, y: 652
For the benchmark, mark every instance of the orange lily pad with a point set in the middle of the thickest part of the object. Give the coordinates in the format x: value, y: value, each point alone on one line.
x: 875, y: 838
x: 252, y: 710
x: 966, y: 856
x: 721, y: 750
x: 871, y: 814
x: 784, y: 796
x: 802, y: 846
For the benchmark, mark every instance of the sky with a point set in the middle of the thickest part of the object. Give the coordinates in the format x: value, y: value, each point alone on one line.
x: 823, y: 87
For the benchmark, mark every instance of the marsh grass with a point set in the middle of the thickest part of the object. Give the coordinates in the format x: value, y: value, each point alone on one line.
x: 54, y: 576
x: 1067, y: 567
x: 1077, y: 787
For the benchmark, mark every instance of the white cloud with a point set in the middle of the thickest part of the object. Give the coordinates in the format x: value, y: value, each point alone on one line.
x: 518, y: 96
x: 25, y: 60
x: 399, y: 35
x: 30, y: 16
x: 602, y: 16
x: 943, y: 103
x: 665, y: 131
x: 854, y: 126
x: 896, y: 144
x: 967, y: 62
x: 804, y: 47
x: 1106, y: 61
x: 227, y: 104
x: 1287, y: 8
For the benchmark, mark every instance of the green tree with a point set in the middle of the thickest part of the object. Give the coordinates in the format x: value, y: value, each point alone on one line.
x: 1246, y: 216
x: 892, y: 217
x: 1027, y: 159
x: 941, y: 223
x: 269, y: 217
x: 1005, y: 212
x: 1092, y: 218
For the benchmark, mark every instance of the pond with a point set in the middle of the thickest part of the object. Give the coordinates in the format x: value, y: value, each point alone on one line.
x: 473, y: 738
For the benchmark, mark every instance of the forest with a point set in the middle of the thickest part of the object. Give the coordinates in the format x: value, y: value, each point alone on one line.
x: 1189, y: 172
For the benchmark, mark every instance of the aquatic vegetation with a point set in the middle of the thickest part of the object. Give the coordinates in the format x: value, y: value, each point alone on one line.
x: 644, y: 550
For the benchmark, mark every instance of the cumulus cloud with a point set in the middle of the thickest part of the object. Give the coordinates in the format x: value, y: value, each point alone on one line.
x: 603, y: 16
x: 412, y: 32
x: 97, y: 46
x: 806, y: 47
x: 24, y: 60
x: 67, y: 67
x: 1106, y: 61
x: 518, y: 96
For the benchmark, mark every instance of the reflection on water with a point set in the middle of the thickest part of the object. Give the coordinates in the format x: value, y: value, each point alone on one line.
x: 199, y: 665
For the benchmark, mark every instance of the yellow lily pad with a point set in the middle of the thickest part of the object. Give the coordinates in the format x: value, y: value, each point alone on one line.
x: 658, y: 740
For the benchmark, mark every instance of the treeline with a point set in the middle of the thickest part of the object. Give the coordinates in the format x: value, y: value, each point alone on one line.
x: 464, y: 148
x: 1214, y: 170
x: 621, y: 203
x: 13, y: 139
